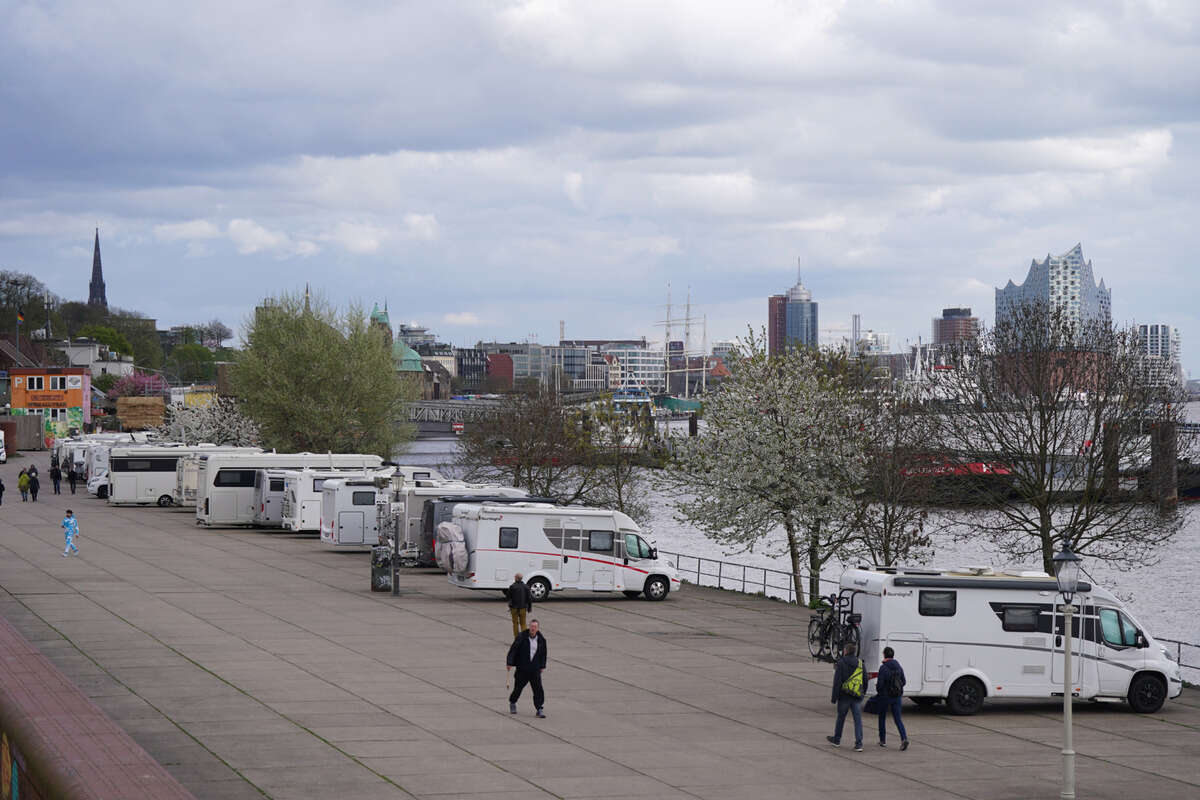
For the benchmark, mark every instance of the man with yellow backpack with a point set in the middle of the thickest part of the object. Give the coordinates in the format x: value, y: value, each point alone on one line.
x: 849, y: 683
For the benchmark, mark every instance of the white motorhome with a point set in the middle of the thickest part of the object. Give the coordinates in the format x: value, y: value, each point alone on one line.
x: 145, y: 474
x: 225, y: 482
x: 555, y: 548
x: 966, y: 635
x: 268, y: 497
x: 187, y: 475
x: 303, y: 492
x: 416, y: 514
x: 349, y: 516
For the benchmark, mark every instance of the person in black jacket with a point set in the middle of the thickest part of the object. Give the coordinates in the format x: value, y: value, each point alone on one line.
x: 889, y: 685
x: 520, y: 603
x: 72, y: 477
x: 34, y: 484
x: 849, y: 681
x: 56, y: 478
x: 528, y: 655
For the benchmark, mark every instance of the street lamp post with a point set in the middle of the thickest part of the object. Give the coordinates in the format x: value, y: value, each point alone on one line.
x: 1066, y: 571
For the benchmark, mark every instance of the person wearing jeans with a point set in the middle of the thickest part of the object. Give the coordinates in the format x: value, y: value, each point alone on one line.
x: 849, y: 679
x: 889, y: 684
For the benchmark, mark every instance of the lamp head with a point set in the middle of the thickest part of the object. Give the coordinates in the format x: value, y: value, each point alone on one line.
x: 1066, y: 571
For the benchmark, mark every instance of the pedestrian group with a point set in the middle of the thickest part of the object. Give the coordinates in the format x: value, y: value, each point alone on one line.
x: 849, y: 685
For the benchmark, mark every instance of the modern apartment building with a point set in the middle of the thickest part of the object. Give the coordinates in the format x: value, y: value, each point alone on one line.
x: 1065, y: 282
x: 641, y: 367
x: 791, y: 319
x: 1161, y: 353
x: 955, y: 325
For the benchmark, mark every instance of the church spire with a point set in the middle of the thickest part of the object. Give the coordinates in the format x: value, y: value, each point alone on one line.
x: 96, y: 295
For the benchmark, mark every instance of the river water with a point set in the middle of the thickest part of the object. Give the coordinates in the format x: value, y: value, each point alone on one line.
x: 1161, y: 596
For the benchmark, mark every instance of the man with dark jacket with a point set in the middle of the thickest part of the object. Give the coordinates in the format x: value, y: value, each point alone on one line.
x: 528, y: 655
x: 889, y: 685
x: 520, y: 603
x: 72, y: 477
x: 849, y: 681
x: 56, y: 478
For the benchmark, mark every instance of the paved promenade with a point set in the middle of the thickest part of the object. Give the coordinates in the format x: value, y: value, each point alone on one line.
x: 257, y: 664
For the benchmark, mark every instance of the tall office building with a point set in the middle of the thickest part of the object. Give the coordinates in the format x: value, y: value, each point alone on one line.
x: 955, y: 325
x: 791, y: 319
x: 1161, y: 354
x: 1064, y: 282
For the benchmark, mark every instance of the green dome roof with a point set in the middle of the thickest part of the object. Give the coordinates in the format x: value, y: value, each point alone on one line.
x: 380, y: 316
x: 407, y: 359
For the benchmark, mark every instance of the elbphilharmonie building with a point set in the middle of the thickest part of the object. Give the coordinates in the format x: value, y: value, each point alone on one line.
x: 1064, y: 281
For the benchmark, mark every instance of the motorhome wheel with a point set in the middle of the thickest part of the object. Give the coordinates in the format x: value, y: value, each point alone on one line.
x: 1147, y: 693
x: 965, y: 696
x: 165, y: 501
x: 539, y: 589
x: 630, y: 593
x: 657, y: 588
x: 102, y: 493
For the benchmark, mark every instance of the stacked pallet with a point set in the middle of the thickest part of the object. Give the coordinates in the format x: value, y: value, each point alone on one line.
x: 140, y: 413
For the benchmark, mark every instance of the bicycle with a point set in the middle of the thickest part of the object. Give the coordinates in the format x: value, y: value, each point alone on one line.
x: 833, y: 628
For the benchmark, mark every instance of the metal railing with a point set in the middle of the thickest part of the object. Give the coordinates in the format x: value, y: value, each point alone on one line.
x: 1190, y: 650
x: 743, y: 578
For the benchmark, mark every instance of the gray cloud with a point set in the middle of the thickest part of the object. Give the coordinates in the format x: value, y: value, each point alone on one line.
x: 492, y: 169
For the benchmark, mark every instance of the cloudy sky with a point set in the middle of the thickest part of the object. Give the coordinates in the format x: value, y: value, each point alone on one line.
x: 492, y: 168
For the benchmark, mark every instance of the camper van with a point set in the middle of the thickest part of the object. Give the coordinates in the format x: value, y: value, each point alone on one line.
x: 187, y: 473
x: 145, y: 474
x: 349, y: 516
x: 268, y: 497
x: 555, y: 548
x: 225, y: 481
x: 966, y: 635
x: 303, y: 492
x: 416, y: 521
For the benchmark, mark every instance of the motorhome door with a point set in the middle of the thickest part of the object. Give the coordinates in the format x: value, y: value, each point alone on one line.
x: 1117, y: 653
x: 910, y: 652
x: 572, y: 550
x: 350, y: 527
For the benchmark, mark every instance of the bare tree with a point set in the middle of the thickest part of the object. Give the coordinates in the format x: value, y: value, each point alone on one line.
x: 1060, y: 404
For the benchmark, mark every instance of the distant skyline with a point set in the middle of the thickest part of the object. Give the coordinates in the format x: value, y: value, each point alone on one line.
x: 492, y: 168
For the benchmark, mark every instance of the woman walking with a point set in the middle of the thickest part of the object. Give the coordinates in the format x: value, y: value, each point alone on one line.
x: 23, y: 485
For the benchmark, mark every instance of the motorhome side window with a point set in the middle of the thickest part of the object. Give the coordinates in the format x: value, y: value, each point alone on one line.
x: 508, y: 538
x: 235, y: 477
x: 636, y: 547
x: 1021, y: 618
x: 600, y: 541
x: 1117, y: 629
x: 276, y: 485
x: 318, y: 483
x: 937, y: 604
x: 362, y: 498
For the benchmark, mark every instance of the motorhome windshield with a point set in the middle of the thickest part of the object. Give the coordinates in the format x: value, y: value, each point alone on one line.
x: 636, y: 547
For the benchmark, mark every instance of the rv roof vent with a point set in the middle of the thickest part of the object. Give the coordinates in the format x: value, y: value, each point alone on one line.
x: 978, y: 570
x: 1033, y: 573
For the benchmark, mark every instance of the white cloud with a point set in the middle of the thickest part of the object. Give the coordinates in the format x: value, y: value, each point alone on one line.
x: 358, y: 238
x: 421, y: 226
x: 192, y: 230
x: 250, y: 237
x: 573, y: 188
x: 718, y: 193
x: 461, y: 318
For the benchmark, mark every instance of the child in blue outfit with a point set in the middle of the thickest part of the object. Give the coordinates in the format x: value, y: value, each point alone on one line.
x: 70, y: 527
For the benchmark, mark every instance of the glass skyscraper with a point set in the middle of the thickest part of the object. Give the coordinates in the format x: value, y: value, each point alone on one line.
x: 791, y: 319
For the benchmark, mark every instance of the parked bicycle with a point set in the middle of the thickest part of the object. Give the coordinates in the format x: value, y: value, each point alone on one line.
x: 835, y: 626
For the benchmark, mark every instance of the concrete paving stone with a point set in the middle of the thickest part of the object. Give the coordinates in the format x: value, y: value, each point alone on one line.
x: 399, y: 732
x: 437, y: 781
x: 605, y: 786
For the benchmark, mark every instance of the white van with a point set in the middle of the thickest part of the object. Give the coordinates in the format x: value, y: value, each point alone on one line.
x: 145, y: 474
x: 303, y: 492
x: 3, y: 451
x: 225, y: 481
x: 187, y: 474
x: 556, y: 548
x: 962, y: 636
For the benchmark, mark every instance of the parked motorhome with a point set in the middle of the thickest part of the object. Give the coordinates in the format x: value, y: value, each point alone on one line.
x: 555, y: 548
x: 349, y: 516
x: 145, y: 474
x: 268, y: 497
x: 302, y: 494
x: 187, y: 474
x: 225, y: 482
x: 416, y: 546
x: 966, y: 635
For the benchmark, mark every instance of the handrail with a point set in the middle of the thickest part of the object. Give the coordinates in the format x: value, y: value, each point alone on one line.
x: 743, y: 578
x: 1193, y: 648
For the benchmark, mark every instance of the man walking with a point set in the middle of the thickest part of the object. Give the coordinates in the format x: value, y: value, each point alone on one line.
x: 849, y: 680
x: 56, y: 478
x: 70, y: 527
x: 528, y: 655
x: 889, y: 685
x: 72, y: 476
x: 34, y: 484
x: 520, y: 603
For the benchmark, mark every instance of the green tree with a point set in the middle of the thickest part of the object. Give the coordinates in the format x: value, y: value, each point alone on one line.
x: 318, y: 379
x: 105, y: 382
x: 106, y: 336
